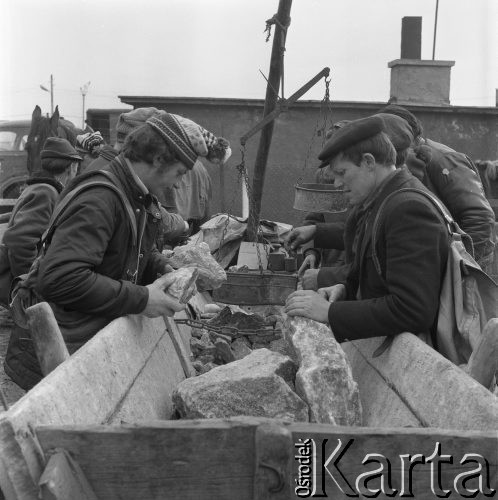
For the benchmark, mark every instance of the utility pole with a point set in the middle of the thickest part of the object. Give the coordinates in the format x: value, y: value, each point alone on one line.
x: 435, y: 30
x: 281, y: 22
x: 51, y: 91
x: 84, y: 91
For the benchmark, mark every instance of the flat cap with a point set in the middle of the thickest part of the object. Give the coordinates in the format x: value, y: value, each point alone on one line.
x: 350, y: 134
x: 398, y: 130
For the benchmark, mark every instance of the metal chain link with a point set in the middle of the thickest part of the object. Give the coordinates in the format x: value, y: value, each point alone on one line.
x: 324, y: 115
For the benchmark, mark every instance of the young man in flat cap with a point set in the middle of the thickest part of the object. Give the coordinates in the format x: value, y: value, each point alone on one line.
x: 400, y: 135
x: 102, y: 261
x: 412, y: 243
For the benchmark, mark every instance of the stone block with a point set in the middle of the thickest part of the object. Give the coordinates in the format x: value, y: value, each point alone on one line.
x: 324, y: 378
x: 260, y: 385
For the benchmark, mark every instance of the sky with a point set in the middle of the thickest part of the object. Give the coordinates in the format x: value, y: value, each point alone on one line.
x: 217, y: 48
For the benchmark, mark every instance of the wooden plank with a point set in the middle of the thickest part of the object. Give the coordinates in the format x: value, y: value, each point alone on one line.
x: 381, y: 405
x: 437, y: 393
x: 272, y: 465
x: 215, y: 459
x: 126, y: 372
x: 50, y: 347
x: 63, y: 479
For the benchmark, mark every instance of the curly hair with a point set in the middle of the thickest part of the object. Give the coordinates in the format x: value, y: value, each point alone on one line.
x: 144, y: 143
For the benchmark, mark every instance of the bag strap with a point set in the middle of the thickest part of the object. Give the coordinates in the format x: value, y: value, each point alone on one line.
x: 111, y: 184
x: 451, y: 225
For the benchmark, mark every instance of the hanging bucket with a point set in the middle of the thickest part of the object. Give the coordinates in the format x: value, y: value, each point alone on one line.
x: 320, y: 198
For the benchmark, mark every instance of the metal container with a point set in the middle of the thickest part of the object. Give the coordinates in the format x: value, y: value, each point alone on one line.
x: 256, y: 288
x: 319, y: 198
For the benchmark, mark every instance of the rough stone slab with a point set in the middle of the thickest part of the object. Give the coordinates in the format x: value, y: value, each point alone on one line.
x: 211, y: 274
x: 259, y: 385
x: 324, y: 379
x: 183, y: 288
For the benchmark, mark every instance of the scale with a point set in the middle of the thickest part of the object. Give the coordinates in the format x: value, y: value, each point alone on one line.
x: 264, y: 286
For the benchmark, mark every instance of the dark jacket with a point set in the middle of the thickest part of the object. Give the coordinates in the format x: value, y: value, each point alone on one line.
x: 86, y: 272
x: 29, y: 219
x: 412, y: 248
x: 455, y: 180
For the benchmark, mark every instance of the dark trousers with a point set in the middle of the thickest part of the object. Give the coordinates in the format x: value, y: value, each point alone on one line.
x: 21, y: 363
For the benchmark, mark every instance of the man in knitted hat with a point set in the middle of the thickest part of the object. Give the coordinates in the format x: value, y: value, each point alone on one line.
x: 411, y: 243
x: 454, y: 179
x: 28, y: 221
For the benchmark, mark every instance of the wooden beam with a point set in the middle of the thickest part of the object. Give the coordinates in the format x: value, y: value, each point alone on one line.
x: 435, y: 391
x: 63, y: 479
x: 215, y: 459
x: 274, y: 77
x: 49, y: 345
x: 284, y: 105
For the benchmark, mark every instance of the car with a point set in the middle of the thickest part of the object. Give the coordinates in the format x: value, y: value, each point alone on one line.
x: 13, y: 157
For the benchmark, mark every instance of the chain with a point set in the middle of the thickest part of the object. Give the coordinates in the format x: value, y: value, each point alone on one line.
x: 231, y: 331
x: 325, y: 112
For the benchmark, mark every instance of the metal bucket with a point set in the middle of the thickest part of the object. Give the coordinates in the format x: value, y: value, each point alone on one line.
x: 319, y: 198
x: 254, y: 288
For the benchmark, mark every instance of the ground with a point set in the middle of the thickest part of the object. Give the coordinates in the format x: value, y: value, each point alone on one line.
x: 11, y: 391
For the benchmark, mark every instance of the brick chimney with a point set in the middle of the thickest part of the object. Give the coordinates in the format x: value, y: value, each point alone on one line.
x: 415, y: 80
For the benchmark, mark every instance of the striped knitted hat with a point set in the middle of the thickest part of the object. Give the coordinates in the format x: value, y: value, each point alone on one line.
x: 189, y: 140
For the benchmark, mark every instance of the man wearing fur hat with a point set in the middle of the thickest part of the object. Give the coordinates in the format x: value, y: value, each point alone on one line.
x: 28, y: 221
x: 94, y: 269
x: 412, y: 243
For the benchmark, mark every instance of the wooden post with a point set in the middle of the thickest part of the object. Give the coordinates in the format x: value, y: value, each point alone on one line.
x: 283, y: 20
x: 50, y: 348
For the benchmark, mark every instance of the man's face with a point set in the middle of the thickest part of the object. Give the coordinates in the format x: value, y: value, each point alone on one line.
x: 167, y: 175
x: 357, y: 181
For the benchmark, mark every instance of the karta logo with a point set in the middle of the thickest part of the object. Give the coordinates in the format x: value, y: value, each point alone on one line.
x: 470, y: 474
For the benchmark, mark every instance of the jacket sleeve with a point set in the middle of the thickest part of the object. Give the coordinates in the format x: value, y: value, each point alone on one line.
x: 413, y: 250
x: 330, y: 235
x: 30, y: 222
x: 458, y: 186
x: 67, y: 274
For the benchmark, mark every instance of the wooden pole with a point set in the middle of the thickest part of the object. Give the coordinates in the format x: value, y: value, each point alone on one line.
x: 282, y: 20
x: 49, y: 345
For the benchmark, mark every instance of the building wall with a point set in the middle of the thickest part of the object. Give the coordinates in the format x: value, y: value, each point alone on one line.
x: 295, y: 146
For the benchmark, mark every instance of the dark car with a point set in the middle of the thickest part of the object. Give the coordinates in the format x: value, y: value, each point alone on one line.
x: 13, y: 158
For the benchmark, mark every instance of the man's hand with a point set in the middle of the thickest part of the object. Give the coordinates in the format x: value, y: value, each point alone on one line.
x: 333, y: 293
x: 307, y: 304
x: 310, y: 279
x: 299, y: 236
x: 160, y: 303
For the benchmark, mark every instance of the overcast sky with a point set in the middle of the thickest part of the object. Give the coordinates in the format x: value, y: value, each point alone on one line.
x: 215, y: 48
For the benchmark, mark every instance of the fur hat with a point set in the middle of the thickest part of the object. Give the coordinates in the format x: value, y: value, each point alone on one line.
x: 189, y: 140
x: 90, y: 141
